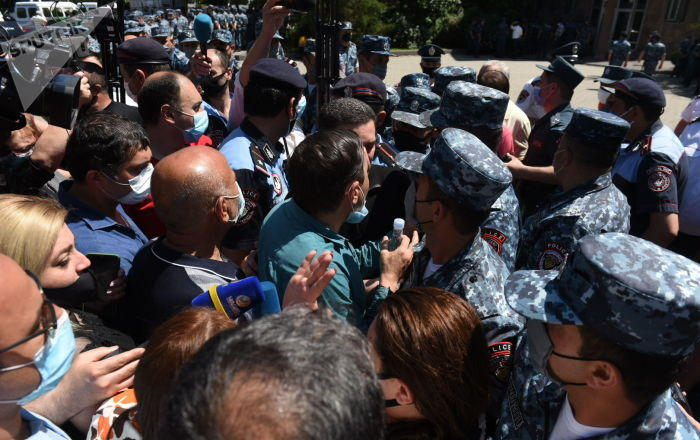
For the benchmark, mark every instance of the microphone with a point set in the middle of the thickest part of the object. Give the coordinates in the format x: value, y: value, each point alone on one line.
x: 203, y: 28
x: 236, y: 298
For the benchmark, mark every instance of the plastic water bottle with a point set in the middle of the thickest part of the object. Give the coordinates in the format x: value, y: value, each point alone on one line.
x: 396, y: 234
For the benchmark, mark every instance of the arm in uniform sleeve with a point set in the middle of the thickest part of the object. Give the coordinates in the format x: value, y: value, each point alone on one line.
x: 553, y: 245
x: 21, y: 175
x: 244, y: 234
x: 657, y: 187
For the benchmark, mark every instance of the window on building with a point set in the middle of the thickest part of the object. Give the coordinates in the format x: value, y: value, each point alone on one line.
x: 675, y: 11
x: 21, y: 13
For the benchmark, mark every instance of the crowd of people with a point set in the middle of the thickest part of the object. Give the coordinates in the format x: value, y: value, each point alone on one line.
x: 437, y: 261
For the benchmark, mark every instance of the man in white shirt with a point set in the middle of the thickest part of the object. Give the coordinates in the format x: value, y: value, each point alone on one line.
x: 38, y: 20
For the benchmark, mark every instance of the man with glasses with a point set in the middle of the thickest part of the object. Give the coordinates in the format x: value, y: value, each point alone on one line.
x: 606, y: 340
x: 36, y: 350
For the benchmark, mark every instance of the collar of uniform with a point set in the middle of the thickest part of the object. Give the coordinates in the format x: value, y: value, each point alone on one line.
x: 464, y: 261
x: 650, y: 131
x: 314, y: 225
x: 549, y: 115
x: 93, y: 218
x: 652, y: 421
x: 255, y: 134
x: 601, y: 182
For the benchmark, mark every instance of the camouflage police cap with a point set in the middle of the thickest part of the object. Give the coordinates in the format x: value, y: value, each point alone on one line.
x: 466, y: 104
x: 163, y: 30
x: 277, y: 36
x: 640, y: 296
x: 414, y: 101
x: 463, y: 168
x: 159, y: 13
x: 421, y: 80
x: 431, y: 53
x: 378, y: 44
x: 598, y: 129
x: 134, y: 30
x: 445, y: 75
x: 187, y: 37
x: 346, y: 26
x: 222, y: 35
x: 392, y: 99
x: 310, y: 46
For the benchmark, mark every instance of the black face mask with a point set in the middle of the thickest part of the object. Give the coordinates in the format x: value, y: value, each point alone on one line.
x: 406, y: 141
x: 214, y: 85
x: 430, y: 71
x: 84, y: 289
x: 346, y: 38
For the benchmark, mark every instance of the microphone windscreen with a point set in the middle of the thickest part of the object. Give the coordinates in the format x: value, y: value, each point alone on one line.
x: 203, y: 27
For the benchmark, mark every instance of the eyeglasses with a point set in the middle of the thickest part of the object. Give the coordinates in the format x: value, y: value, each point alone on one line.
x: 47, y: 319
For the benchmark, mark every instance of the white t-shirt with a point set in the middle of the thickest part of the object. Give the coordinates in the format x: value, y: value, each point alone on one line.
x: 517, y: 31
x: 430, y: 269
x: 567, y: 428
x: 692, y: 111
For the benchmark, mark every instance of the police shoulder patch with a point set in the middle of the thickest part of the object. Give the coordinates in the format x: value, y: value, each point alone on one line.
x: 495, y: 238
x: 524, y: 94
x: 659, y: 178
x: 553, y: 257
x: 251, y: 197
x: 276, y: 184
x: 500, y: 359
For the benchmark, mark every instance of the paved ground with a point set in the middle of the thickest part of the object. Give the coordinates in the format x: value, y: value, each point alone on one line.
x: 586, y: 94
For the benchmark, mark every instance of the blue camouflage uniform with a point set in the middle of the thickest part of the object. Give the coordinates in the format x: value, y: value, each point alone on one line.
x: 445, y: 75
x: 470, y: 173
x: 620, y: 49
x: 607, y: 285
x: 592, y: 207
x: 466, y: 105
x: 347, y: 55
x: 653, y: 52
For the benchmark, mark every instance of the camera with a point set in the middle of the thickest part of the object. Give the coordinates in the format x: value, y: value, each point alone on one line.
x: 299, y: 5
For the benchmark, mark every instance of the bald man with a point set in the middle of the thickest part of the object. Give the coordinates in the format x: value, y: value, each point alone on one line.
x: 198, y: 199
x: 25, y: 317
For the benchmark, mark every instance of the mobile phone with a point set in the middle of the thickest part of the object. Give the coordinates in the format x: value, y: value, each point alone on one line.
x: 105, y: 268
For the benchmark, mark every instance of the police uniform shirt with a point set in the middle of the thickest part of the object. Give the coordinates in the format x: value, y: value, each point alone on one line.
x: 651, y: 172
x: 348, y: 59
x: 532, y: 405
x: 690, y: 209
x: 543, y: 143
x: 260, y: 175
x: 654, y: 51
x: 619, y: 49
x: 550, y: 235
x: 502, y: 228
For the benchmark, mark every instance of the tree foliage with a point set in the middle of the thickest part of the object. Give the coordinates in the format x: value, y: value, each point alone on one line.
x: 418, y: 21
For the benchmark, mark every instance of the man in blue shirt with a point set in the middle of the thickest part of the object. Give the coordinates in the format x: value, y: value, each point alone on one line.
x: 329, y: 179
x: 109, y: 159
x: 256, y: 150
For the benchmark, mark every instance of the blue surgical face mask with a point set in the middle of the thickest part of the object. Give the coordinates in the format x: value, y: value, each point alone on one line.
x: 53, y: 360
x: 201, y: 123
x: 539, y: 99
x: 358, y: 214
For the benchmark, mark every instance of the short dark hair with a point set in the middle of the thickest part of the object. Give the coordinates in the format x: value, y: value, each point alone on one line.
x: 566, y: 92
x: 266, y: 98
x: 465, y: 220
x: 496, y: 80
x: 157, y: 92
x: 102, y: 141
x: 296, y: 374
x: 147, y: 68
x: 95, y: 78
x: 343, y: 112
x: 433, y: 340
x: 644, y: 376
x: 322, y: 167
x: 602, y: 155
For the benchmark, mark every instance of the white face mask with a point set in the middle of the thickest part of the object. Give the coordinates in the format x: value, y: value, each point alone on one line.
x: 241, y: 204
x: 603, y: 96
x: 140, y: 187
x: 129, y: 93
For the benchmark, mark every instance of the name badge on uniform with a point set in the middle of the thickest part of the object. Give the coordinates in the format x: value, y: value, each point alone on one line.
x: 267, y: 151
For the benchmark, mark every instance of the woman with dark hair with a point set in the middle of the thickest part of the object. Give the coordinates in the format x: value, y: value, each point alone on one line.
x: 134, y: 413
x: 429, y: 351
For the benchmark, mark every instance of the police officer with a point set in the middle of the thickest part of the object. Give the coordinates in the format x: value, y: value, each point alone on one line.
x: 242, y: 20
x: 276, y: 49
x: 445, y: 75
x: 347, y: 51
x: 430, y: 58
x: 654, y: 53
x: 255, y: 151
x: 410, y: 134
x: 221, y: 39
x: 480, y: 111
x: 375, y: 51
x: 651, y: 170
x: 187, y: 43
x: 556, y: 87
x: 420, y: 80
x: 589, y: 203
x: 605, y: 341
x: 620, y: 50
x: 458, y: 182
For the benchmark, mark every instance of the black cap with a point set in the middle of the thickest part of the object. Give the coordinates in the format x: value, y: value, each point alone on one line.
x: 142, y: 50
x: 562, y: 69
x: 431, y: 53
x: 642, y: 90
x: 613, y: 74
x: 361, y: 85
x: 278, y: 70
